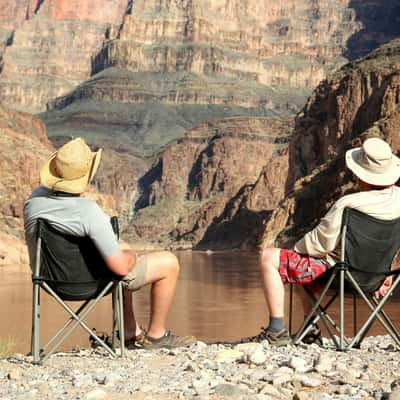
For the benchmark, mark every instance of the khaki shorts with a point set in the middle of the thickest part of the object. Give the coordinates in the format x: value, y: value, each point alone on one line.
x: 136, y: 278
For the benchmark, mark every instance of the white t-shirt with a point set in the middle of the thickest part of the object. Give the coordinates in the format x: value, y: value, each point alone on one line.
x: 324, y: 240
x: 71, y: 215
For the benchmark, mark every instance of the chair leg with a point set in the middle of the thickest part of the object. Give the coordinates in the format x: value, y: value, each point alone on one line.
x: 290, y: 309
x: 354, y: 313
x: 121, y: 318
x: 341, y: 310
x: 35, y: 338
x: 114, y: 315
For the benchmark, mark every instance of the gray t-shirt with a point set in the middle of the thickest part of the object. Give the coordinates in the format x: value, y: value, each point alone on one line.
x: 71, y: 215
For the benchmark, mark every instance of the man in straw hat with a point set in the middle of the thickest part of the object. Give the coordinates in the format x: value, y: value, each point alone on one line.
x: 376, y: 170
x: 64, y: 177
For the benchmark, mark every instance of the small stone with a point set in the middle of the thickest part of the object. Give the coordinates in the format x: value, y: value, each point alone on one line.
x: 201, y: 386
x: 258, y: 357
x: 228, y: 356
x: 199, y: 345
x: 96, y: 394
x: 227, y: 389
x: 299, y: 364
x: 309, y: 381
x: 111, y: 379
x: 270, y: 390
x: 248, y: 348
x: 324, y: 363
x: 280, y: 379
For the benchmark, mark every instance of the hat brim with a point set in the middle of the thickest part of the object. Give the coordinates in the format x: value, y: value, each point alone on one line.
x: 50, y: 179
x: 391, y: 175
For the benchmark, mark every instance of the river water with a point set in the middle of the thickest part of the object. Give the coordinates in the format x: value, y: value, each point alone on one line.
x: 218, y: 298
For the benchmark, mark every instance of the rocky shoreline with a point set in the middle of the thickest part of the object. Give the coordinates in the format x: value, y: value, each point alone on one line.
x: 210, y: 371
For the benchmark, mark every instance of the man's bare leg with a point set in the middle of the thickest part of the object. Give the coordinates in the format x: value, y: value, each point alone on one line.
x: 132, y: 329
x: 162, y: 273
x: 272, y: 283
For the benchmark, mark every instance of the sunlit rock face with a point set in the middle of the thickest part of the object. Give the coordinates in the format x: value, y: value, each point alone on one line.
x: 50, y: 47
x: 23, y: 148
x: 129, y: 65
x: 136, y: 77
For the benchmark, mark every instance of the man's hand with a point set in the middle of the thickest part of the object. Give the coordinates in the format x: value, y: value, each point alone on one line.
x: 123, y: 262
x: 384, y: 287
x: 124, y: 246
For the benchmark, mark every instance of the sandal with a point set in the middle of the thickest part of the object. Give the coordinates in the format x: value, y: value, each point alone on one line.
x: 168, y: 341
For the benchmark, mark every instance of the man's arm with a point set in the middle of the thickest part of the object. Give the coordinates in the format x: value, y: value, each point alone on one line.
x: 123, y: 262
x: 119, y: 258
x: 324, y: 237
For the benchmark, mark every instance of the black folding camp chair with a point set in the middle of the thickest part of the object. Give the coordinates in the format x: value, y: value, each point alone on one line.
x: 70, y: 268
x: 368, y: 247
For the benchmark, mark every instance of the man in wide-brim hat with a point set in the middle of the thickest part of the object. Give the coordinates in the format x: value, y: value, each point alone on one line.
x: 64, y: 177
x: 377, y: 169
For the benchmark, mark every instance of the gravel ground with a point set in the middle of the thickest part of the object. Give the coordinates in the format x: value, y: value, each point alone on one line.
x: 210, y: 371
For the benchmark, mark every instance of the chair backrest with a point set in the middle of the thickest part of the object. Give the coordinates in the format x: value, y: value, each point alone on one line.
x: 71, y: 265
x: 370, y: 245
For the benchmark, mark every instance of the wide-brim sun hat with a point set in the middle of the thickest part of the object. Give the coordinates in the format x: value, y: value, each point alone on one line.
x: 374, y: 163
x: 71, y: 168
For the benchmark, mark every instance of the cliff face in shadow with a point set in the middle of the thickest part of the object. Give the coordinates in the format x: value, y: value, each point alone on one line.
x: 380, y: 23
x: 198, y: 182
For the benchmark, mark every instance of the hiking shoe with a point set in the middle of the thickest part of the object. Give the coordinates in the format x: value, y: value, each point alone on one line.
x: 168, y: 340
x: 314, y: 335
x: 130, y: 344
x: 281, y: 338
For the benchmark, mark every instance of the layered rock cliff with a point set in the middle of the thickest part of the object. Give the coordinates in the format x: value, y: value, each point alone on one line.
x: 50, y: 48
x: 149, y: 70
x: 23, y: 148
x: 195, y: 182
x: 289, y: 192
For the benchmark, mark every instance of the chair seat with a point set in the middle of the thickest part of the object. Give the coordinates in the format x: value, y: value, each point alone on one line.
x: 77, y: 291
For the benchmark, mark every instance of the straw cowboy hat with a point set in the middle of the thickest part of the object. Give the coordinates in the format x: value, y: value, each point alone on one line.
x: 374, y: 163
x: 71, y: 168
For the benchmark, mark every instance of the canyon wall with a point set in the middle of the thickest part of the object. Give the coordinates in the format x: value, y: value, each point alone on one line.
x: 145, y: 72
x: 50, y: 47
x: 195, y: 183
x: 287, y: 192
x: 359, y: 101
x: 23, y: 148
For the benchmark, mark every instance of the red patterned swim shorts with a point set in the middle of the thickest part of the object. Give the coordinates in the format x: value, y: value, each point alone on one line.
x: 301, y: 269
